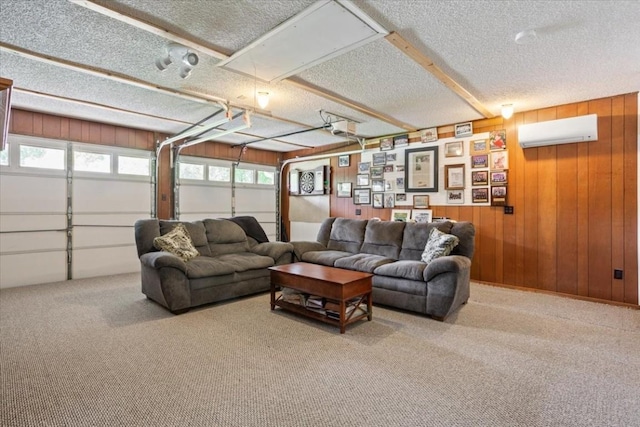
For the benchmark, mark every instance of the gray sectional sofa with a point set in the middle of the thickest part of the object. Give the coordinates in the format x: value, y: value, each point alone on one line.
x: 392, y: 252
x: 229, y: 264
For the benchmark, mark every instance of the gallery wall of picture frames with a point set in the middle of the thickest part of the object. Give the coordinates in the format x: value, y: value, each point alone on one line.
x: 467, y: 169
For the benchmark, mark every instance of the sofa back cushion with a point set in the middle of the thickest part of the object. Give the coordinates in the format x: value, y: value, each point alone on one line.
x: 196, y: 232
x: 416, y: 235
x: 145, y: 231
x: 325, y: 231
x: 225, y: 237
x: 465, y: 231
x: 347, y: 235
x: 383, y: 238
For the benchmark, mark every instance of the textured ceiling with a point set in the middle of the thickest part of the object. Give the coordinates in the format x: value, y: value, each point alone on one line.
x: 62, y: 58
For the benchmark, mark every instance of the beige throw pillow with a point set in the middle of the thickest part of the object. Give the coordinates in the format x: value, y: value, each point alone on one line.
x: 178, y: 242
x: 439, y: 244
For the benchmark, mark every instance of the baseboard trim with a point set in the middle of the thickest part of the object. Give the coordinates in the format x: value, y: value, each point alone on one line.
x: 559, y: 294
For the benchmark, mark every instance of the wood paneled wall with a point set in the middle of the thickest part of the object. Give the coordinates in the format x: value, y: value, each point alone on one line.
x: 575, y: 207
x: 69, y: 129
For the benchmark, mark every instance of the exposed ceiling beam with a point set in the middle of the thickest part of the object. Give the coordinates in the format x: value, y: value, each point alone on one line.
x: 347, y: 103
x: 147, y: 26
x: 428, y: 64
x: 154, y: 29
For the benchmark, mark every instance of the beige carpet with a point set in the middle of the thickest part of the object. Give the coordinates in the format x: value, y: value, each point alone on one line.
x: 96, y: 353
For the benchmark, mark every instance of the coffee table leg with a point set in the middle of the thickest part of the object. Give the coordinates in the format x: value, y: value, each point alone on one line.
x: 273, y: 296
x: 369, y: 308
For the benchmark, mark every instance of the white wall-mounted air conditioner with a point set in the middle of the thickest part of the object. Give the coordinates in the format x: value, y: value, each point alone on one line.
x: 561, y: 131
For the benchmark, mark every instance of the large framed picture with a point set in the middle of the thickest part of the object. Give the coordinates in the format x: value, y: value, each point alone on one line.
x: 454, y: 177
x: 463, y: 129
x: 344, y: 189
x: 421, y: 170
x: 362, y: 196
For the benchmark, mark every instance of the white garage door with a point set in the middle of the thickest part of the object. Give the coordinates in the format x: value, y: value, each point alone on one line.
x: 205, y: 190
x: 55, y: 196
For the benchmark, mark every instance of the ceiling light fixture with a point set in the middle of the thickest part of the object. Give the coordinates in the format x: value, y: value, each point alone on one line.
x: 181, y: 54
x: 263, y: 99
x: 507, y: 111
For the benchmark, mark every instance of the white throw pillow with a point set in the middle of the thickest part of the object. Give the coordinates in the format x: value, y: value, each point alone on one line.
x: 439, y: 244
x: 178, y: 242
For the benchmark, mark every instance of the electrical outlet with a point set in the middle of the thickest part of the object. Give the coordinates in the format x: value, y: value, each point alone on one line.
x: 358, y: 211
x: 508, y: 210
x: 617, y: 274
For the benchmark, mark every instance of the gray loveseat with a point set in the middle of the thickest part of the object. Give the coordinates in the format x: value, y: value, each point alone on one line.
x: 230, y: 263
x: 392, y: 252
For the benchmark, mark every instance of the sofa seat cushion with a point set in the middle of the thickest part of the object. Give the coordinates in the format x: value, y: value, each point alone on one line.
x: 411, y: 287
x: 204, y: 266
x: 412, y: 270
x: 324, y: 257
x: 244, y: 261
x: 366, y: 263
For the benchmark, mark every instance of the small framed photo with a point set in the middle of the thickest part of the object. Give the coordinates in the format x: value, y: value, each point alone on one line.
x: 498, y: 140
x: 420, y: 202
x: 454, y: 177
x: 344, y: 189
x: 391, y: 157
x: 463, y: 129
x: 388, y: 185
x: 422, y: 215
x: 429, y: 135
x: 362, y: 180
x: 499, y: 195
x: 499, y: 160
x: 363, y: 167
x: 479, y: 146
x: 401, y: 197
x: 455, y: 197
x: 401, y: 140
x: 377, y: 172
x: 401, y: 215
x: 377, y: 185
x: 362, y: 196
x: 479, y: 177
x: 498, y: 177
x: 343, y: 161
x: 389, y: 200
x: 379, y: 159
x: 378, y: 200
x: 480, y: 161
x: 400, y: 182
x: 453, y: 149
x: 480, y: 195
x: 387, y: 168
x: 386, y: 144
x: 399, y: 168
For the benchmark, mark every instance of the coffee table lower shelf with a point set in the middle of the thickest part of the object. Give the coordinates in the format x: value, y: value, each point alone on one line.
x: 303, y: 311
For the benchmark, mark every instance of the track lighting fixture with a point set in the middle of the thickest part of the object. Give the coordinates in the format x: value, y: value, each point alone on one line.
x: 174, y: 52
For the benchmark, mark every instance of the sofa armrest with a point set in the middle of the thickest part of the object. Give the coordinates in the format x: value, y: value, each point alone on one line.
x: 446, y: 264
x: 161, y: 259
x: 274, y: 250
x: 299, y: 248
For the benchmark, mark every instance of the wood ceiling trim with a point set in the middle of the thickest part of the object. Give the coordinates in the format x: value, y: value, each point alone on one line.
x: 428, y: 64
x: 154, y: 29
x: 147, y: 26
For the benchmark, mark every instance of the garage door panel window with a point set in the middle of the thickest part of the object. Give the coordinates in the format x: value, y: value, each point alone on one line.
x: 191, y: 171
x: 42, y: 157
x: 245, y: 176
x: 91, y: 162
x: 133, y: 166
x: 266, y: 177
x: 219, y: 174
x: 4, y: 156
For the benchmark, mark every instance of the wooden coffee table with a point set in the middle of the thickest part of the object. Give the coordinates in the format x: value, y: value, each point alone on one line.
x: 348, y: 292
